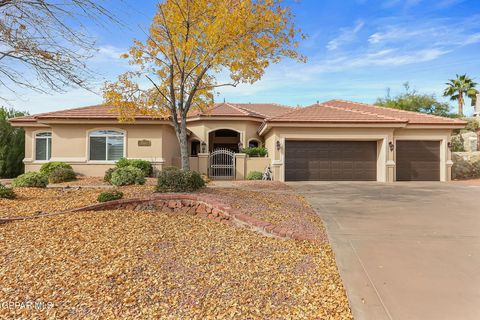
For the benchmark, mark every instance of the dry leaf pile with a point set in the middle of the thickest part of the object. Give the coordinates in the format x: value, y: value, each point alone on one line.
x: 138, y: 265
x: 287, y: 209
x: 34, y: 201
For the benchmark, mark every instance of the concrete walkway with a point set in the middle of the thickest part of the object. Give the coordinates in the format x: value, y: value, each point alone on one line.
x: 404, y: 250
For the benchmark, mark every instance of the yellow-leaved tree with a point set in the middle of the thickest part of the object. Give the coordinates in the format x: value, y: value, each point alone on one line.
x: 188, y: 44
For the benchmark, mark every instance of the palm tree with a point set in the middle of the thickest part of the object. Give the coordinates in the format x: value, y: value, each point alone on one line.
x: 457, y: 88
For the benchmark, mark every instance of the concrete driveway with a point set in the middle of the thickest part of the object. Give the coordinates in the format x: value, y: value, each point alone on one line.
x: 404, y: 250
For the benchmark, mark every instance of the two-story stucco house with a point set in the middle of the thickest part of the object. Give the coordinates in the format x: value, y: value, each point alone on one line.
x: 334, y: 140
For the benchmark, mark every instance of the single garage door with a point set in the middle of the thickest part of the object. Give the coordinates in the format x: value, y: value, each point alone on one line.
x: 330, y: 160
x: 418, y: 160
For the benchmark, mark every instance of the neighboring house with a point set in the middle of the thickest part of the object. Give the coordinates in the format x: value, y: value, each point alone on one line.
x: 334, y: 140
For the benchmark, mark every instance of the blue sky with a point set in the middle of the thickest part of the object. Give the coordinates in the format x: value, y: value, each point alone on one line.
x: 356, y: 49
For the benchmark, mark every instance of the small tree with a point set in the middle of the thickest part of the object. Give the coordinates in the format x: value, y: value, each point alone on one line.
x: 188, y: 44
x: 411, y: 100
x: 459, y: 87
x: 12, y: 145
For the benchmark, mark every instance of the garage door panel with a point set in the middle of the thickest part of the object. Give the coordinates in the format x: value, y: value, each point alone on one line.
x: 418, y: 160
x: 330, y: 160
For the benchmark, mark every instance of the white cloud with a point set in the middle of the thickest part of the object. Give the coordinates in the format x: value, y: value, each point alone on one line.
x: 109, y: 52
x: 471, y: 39
x: 346, y: 35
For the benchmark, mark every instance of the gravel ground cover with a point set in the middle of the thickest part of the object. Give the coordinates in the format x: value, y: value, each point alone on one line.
x: 276, y: 204
x: 140, y: 265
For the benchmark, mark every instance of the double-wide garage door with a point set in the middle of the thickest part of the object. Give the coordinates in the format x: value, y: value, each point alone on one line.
x: 330, y: 160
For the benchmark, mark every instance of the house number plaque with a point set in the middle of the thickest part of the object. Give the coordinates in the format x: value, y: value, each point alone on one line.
x: 144, y: 143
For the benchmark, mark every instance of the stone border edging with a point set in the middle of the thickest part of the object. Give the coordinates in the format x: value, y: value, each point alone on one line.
x: 194, y: 204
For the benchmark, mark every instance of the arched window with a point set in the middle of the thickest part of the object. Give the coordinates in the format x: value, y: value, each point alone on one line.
x: 253, y: 144
x: 194, y: 148
x: 43, y: 146
x: 106, y: 145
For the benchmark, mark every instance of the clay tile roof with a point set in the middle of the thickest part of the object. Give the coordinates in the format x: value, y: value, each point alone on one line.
x: 89, y: 112
x: 342, y: 111
x: 265, y: 110
x: 256, y: 110
x: 330, y: 114
x: 409, y: 116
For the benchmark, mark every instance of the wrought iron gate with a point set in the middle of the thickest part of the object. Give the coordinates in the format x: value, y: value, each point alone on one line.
x: 222, y: 164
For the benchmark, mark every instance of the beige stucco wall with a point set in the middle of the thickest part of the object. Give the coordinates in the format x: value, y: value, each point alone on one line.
x: 385, y: 157
x: 70, y: 144
x: 256, y: 164
x: 247, y: 129
x: 70, y: 141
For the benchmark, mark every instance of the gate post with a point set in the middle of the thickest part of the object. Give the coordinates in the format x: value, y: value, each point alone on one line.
x: 203, y: 163
x: 240, y: 165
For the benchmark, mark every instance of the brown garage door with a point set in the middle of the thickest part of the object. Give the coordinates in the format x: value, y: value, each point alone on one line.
x: 418, y: 160
x: 330, y: 160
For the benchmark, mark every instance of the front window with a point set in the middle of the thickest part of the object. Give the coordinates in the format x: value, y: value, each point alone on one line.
x: 106, y: 145
x: 253, y: 144
x: 194, y: 148
x: 43, y: 146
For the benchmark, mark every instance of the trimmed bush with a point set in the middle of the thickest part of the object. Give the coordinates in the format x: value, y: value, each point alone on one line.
x: 31, y: 179
x: 6, y: 193
x: 59, y: 175
x: 255, y: 152
x: 109, y: 196
x: 254, y: 175
x: 144, y: 165
x: 48, y: 167
x: 175, y: 180
x: 127, y: 176
x: 108, y: 174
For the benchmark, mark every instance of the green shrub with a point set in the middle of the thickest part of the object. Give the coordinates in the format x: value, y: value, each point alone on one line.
x: 108, y: 174
x: 61, y: 175
x: 127, y: 176
x: 31, y: 179
x: 144, y: 165
x: 175, y: 180
x: 109, y: 196
x: 255, y: 151
x: 48, y: 167
x: 254, y: 175
x: 6, y: 193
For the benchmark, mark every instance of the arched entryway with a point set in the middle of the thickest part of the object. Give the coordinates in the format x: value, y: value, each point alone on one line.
x: 224, y: 139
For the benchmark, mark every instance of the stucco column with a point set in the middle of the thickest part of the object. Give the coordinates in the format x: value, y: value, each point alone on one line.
x: 240, y: 164
x: 448, y: 161
x: 390, y: 159
x: 203, y: 163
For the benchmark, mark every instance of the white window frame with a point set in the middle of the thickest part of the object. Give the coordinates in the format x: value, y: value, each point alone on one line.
x: 35, y: 137
x: 121, y: 132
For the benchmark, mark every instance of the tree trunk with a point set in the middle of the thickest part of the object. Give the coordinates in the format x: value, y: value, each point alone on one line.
x: 460, y: 104
x: 182, y: 139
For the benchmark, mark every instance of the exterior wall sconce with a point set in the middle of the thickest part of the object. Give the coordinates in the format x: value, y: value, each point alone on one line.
x: 449, y: 145
x: 240, y: 146
x: 204, y: 147
x: 391, y: 146
x: 278, y: 145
